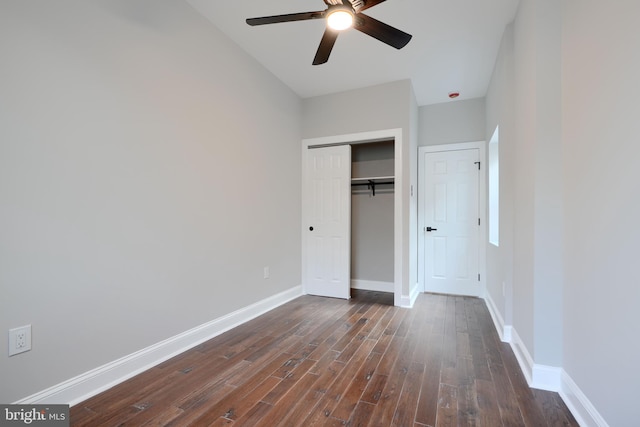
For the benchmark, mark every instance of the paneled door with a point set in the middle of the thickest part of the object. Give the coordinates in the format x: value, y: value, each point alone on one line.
x: 451, y: 222
x: 328, y: 221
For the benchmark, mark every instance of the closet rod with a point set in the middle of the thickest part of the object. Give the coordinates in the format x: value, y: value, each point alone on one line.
x: 371, y: 184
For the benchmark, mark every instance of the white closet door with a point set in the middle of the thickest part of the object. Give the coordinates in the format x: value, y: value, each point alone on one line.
x: 328, y: 221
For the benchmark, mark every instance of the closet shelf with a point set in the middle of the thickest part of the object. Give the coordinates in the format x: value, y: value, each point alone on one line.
x: 373, y: 178
x: 372, y: 181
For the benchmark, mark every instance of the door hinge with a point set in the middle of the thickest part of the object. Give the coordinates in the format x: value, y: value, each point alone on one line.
x: 478, y: 277
x: 478, y: 221
x: 477, y: 163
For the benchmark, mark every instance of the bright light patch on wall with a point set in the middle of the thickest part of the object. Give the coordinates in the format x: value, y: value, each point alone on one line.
x: 494, y: 188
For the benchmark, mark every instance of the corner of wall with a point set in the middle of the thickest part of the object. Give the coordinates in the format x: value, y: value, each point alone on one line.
x: 544, y: 377
x: 407, y: 301
x: 538, y: 376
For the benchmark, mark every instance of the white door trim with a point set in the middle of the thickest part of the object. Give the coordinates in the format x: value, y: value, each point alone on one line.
x: 482, y: 200
x: 398, y: 217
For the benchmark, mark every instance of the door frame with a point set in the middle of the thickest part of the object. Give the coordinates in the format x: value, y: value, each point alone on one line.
x: 482, y: 208
x: 398, y: 213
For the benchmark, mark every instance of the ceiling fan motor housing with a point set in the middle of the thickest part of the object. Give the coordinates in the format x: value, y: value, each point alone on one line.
x: 355, y: 4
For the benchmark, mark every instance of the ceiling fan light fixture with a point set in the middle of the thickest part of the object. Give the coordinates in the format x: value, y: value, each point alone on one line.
x: 340, y: 19
x: 341, y: 15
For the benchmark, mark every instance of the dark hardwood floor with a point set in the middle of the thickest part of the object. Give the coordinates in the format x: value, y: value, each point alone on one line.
x: 327, y: 362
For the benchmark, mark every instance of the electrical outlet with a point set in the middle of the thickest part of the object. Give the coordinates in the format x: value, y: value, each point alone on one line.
x: 266, y: 272
x: 19, y: 340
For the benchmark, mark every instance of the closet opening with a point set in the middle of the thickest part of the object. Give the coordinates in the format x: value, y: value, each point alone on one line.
x: 372, y: 220
x: 340, y: 174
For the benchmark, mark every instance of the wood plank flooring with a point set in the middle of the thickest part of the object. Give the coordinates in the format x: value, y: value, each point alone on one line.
x: 326, y: 362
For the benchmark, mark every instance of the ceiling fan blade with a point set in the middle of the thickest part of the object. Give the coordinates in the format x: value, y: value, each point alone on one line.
x: 370, y: 3
x: 303, y: 16
x: 381, y: 31
x: 326, y: 45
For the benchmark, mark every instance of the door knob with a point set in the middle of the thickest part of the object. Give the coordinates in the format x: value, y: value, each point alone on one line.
x: 310, y: 228
x: 431, y: 229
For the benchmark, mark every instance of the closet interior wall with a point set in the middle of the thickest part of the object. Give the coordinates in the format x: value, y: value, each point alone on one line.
x: 372, y: 243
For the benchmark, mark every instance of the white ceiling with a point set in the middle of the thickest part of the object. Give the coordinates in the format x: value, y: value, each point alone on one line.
x: 454, y: 45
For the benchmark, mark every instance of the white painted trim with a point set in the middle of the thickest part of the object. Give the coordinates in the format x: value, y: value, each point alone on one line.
x: 522, y: 355
x: 546, y: 377
x: 356, y: 138
x: 503, y: 331
x: 582, y: 409
x: 542, y: 377
x: 482, y: 208
x: 372, y: 285
x: 415, y: 292
x: 90, y: 383
x: 508, y: 333
x: 407, y: 301
x: 450, y: 147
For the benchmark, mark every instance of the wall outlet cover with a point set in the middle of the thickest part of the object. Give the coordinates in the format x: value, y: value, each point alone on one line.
x: 19, y: 340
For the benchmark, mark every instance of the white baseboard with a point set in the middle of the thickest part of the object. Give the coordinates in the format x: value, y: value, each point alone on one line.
x: 507, y: 334
x: 547, y: 377
x: 555, y: 379
x: 407, y: 301
x: 504, y: 331
x: 90, y: 383
x: 582, y: 409
x: 414, y: 293
x: 542, y: 377
x: 372, y: 285
x: 522, y: 355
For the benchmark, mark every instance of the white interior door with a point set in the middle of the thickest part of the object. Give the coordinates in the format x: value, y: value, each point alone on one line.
x: 450, y: 222
x: 328, y: 221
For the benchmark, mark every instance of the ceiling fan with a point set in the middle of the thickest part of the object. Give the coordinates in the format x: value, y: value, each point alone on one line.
x: 341, y: 15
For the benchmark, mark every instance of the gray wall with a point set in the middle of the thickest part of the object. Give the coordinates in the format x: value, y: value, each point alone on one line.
x: 500, y: 112
x: 149, y: 170
x: 568, y: 194
x: 600, y: 133
x: 451, y: 122
x: 129, y: 183
x: 387, y: 106
x: 538, y: 267
x: 525, y: 275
